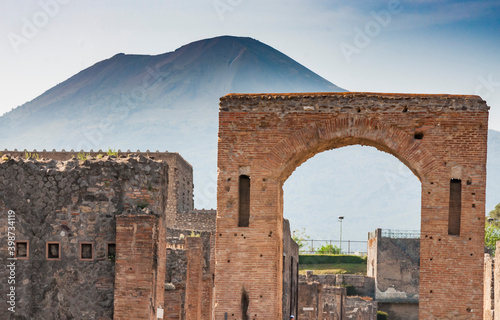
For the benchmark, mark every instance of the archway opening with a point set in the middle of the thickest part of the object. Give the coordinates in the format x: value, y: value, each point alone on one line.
x: 333, y: 201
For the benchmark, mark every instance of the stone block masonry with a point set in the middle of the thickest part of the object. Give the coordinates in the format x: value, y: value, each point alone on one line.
x: 263, y: 138
x: 68, y: 203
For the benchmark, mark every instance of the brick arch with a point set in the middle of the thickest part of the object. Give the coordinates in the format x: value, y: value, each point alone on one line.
x: 264, y: 137
x: 288, y: 154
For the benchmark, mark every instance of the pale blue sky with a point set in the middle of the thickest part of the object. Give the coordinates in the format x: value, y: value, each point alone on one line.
x: 420, y: 46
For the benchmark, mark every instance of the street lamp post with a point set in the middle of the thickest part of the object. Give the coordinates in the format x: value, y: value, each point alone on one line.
x: 340, y: 220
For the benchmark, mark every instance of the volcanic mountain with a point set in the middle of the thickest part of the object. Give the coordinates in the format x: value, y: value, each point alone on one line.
x: 170, y: 102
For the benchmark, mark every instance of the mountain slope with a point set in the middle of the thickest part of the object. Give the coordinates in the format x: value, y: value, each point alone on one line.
x: 163, y: 102
x: 170, y: 102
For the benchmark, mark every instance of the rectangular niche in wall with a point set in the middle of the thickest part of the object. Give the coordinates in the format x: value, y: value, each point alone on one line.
x: 455, y: 214
x: 53, y: 250
x: 22, y: 250
x: 86, y: 251
x: 244, y: 201
x: 111, y: 251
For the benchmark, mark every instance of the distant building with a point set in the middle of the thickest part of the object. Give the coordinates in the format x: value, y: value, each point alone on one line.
x: 394, y: 262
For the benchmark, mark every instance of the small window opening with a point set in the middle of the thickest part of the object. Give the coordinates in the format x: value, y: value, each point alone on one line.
x: 455, y: 213
x: 53, y: 251
x: 244, y: 201
x: 419, y: 135
x: 22, y: 250
x: 86, y: 251
x: 112, y: 251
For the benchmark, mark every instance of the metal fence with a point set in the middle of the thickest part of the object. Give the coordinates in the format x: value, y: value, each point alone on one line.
x: 401, y: 234
x: 333, y: 247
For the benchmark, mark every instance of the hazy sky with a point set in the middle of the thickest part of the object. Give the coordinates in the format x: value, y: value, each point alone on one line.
x: 421, y: 46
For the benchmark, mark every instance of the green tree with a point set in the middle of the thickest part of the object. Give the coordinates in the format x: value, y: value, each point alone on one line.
x: 328, y: 249
x: 492, y: 229
x: 494, y: 216
x: 300, y: 236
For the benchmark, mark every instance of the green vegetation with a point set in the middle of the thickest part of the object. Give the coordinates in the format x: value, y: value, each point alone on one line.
x: 112, y: 257
x: 332, y: 264
x: 28, y: 155
x: 142, y: 204
x: 194, y: 234
x: 82, y: 156
x: 328, y: 249
x: 112, y: 152
x: 330, y: 258
x: 334, y: 268
x: 99, y: 156
x: 492, y: 229
x: 300, y: 236
x: 382, y: 315
x: 350, y: 290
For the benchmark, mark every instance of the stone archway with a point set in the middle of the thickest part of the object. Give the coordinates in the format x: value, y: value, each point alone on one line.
x: 441, y: 138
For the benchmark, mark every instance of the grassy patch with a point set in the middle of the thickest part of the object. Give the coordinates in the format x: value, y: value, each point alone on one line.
x: 334, y: 268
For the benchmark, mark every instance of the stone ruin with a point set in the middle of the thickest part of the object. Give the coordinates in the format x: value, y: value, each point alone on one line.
x: 116, y: 237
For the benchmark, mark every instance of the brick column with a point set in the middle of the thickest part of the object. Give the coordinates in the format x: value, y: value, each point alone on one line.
x: 194, y: 287
x: 139, y: 284
x: 488, y: 286
x: 496, y: 284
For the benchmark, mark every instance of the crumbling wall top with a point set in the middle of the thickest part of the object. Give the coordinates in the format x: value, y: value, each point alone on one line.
x: 348, y: 101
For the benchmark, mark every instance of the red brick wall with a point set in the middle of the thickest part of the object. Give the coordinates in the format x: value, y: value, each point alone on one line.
x: 140, y: 277
x: 173, y: 304
x: 194, y: 286
x: 267, y: 136
x: 206, y: 298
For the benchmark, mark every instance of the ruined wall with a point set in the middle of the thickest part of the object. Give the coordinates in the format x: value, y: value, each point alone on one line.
x: 290, y: 272
x: 140, y: 266
x: 397, y: 265
x: 442, y: 139
x: 489, y: 287
x: 310, y: 301
x: 400, y: 311
x: 363, y: 286
x: 334, y: 303
x: 194, y: 287
x: 357, y: 308
x: 196, y: 220
x: 175, y: 287
x: 330, y: 302
x: 71, y: 203
x: 180, y: 172
x: 371, y: 259
x: 496, y: 291
x: 177, y: 276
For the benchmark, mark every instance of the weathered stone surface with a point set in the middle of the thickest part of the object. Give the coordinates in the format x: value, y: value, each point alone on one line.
x: 81, y: 207
x: 488, y: 287
x: 395, y: 264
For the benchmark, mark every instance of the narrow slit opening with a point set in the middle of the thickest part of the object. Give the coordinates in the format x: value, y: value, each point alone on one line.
x: 244, y: 201
x: 455, y: 207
